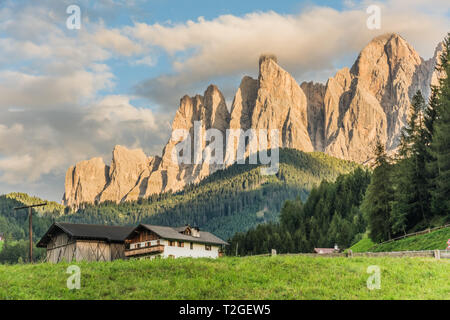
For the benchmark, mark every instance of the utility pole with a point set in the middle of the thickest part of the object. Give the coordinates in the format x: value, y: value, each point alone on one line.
x: 30, y: 224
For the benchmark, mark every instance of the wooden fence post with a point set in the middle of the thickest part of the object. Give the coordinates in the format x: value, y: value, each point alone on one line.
x: 437, y: 254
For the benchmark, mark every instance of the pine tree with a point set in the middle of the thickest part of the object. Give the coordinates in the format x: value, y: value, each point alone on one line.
x: 411, y: 203
x: 429, y: 116
x: 440, y: 144
x: 431, y: 163
x: 378, y: 197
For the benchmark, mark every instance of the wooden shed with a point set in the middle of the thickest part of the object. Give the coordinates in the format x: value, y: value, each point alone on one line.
x: 84, y: 242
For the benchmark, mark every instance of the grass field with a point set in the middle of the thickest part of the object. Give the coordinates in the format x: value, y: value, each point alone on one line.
x: 281, y: 277
x: 362, y: 245
x: 429, y: 241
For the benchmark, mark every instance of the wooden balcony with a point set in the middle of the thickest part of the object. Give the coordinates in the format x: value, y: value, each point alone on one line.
x: 145, y: 250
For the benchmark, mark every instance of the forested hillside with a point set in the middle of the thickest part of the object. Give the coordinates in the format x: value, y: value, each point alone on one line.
x: 330, y: 216
x: 14, y: 225
x: 228, y: 201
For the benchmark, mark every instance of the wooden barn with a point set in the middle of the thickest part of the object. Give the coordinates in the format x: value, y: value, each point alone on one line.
x: 84, y: 242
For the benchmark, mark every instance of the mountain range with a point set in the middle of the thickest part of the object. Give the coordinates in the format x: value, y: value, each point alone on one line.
x: 342, y: 118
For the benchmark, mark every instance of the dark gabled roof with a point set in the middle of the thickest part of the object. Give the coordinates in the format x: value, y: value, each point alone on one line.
x: 86, y: 232
x: 174, y: 234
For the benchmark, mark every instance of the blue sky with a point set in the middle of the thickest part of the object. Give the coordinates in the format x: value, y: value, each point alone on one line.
x: 70, y: 95
x: 183, y: 10
x: 173, y: 12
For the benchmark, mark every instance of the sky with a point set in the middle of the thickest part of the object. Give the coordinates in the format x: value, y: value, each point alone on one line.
x: 68, y: 95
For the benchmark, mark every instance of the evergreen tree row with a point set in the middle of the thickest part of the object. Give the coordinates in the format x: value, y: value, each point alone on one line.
x: 330, y: 216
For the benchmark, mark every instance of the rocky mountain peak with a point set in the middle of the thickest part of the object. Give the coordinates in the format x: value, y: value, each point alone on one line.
x: 266, y: 57
x: 392, y: 71
x: 85, y: 181
x: 281, y: 104
x: 343, y: 118
x: 126, y: 167
x: 244, y: 103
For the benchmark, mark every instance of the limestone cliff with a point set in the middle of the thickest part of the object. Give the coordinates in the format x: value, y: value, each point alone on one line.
x: 281, y: 104
x: 85, y: 181
x: 209, y: 112
x: 370, y: 101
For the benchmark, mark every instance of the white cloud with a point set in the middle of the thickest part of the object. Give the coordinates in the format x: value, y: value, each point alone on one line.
x: 119, y: 43
x: 48, y: 142
x: 315, y: 40
x: 146, y: 61
x: 116, y: 118
x: 44, y: 92
x: 13, y: 165
x: 51, y: 111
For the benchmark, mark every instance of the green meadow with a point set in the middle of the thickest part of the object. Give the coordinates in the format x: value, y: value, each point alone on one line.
x: 280, y: 277
x: 428, y: 241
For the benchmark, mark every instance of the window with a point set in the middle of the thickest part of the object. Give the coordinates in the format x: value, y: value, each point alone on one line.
x: 207, y: 247
x: 192, y: 246
x: 180, y: 244
x: 171, y: 243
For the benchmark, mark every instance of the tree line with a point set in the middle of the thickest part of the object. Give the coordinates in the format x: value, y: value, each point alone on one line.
x: 231, y: 200
x: 406, y: 192
x: 331, y: 215
x: 228, y: 201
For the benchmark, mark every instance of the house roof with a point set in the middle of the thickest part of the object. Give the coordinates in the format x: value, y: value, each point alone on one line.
x: 175, y: 234
x: 86, y: 232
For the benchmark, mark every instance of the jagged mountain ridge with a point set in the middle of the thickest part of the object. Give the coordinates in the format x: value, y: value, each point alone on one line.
x: 342, y: 118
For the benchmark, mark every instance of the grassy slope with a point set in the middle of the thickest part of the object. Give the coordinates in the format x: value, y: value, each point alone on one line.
x: 282, y: 277
x: 434, y: 240
x: 362, y: 245
x: 430, y: 241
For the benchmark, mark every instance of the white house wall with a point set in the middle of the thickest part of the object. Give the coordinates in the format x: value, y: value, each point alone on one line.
x: 198, y: 251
